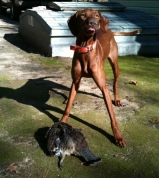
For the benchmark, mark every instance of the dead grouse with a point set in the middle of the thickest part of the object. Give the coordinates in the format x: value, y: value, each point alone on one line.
x: 64, y: 140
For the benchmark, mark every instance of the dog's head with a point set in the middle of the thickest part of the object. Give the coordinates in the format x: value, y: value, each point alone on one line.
x: 87, y: 21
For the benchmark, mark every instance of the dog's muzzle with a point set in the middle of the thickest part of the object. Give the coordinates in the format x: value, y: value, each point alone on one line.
x: 92, y: 23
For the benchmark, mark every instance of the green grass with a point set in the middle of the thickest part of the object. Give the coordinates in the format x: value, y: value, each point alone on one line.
x: 27, y: 111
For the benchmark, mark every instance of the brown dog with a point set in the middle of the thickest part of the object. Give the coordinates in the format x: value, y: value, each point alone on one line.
x: 94, y: 44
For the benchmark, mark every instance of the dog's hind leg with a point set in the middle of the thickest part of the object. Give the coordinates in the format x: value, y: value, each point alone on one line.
x: 113, y: 59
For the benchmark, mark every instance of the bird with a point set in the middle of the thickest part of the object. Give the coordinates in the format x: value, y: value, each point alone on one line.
x: 63, y: 139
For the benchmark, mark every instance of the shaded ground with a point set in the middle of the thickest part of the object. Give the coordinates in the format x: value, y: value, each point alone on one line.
x: 32, y: 91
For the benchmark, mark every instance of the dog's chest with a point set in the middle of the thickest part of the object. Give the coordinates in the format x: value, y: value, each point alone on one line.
x: 86, y: 62
x: 89, y: 60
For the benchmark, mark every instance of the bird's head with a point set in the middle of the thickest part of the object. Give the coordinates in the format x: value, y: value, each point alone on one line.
x: 54, y: 138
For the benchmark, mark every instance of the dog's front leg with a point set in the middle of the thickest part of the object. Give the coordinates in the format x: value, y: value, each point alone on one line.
x: 73, y: 92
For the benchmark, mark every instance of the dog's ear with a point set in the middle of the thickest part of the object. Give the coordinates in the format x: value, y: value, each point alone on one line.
x: 72, y: 24
x: 104, y: 24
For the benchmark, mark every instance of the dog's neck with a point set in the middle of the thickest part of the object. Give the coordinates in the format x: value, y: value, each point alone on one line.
x: 83, y: 40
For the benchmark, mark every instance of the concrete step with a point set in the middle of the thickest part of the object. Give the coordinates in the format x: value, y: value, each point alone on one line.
x: 48, y: 31
x: 75, y: 6
x: 138, y: 48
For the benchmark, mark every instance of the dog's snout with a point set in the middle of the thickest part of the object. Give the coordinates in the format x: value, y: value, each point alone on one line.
x: 92, y: 22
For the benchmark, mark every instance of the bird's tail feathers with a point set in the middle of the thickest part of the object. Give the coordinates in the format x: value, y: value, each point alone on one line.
x: 90, y: 158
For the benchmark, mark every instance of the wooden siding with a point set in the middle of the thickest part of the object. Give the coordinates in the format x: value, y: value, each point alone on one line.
x: 149, y: 6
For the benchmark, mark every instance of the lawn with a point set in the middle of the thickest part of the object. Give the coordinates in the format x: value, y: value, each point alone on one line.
x: 28, y: 110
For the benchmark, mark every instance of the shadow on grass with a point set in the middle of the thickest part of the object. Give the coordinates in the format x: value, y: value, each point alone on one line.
x: 41, y: 139
x: 35, y: 93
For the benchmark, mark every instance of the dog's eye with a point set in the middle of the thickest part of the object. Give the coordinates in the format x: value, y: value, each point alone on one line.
x: 83, y: 15
x: 97, y: 16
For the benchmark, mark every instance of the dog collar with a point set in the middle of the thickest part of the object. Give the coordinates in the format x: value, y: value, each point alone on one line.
x: 83, y: 49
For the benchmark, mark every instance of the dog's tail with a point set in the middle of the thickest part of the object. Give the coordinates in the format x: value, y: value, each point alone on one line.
x: 126, y: 33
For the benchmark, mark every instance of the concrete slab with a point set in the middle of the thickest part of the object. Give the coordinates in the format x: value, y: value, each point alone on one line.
x: 49, y: 32
x: 75, y: 6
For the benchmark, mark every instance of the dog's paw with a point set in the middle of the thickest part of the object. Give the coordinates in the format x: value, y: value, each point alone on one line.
x: 63, y: 120
x: 117, y: 103
x: 120, y: 142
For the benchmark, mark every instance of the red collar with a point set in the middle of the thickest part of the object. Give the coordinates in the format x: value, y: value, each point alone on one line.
x: 83, y: 49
